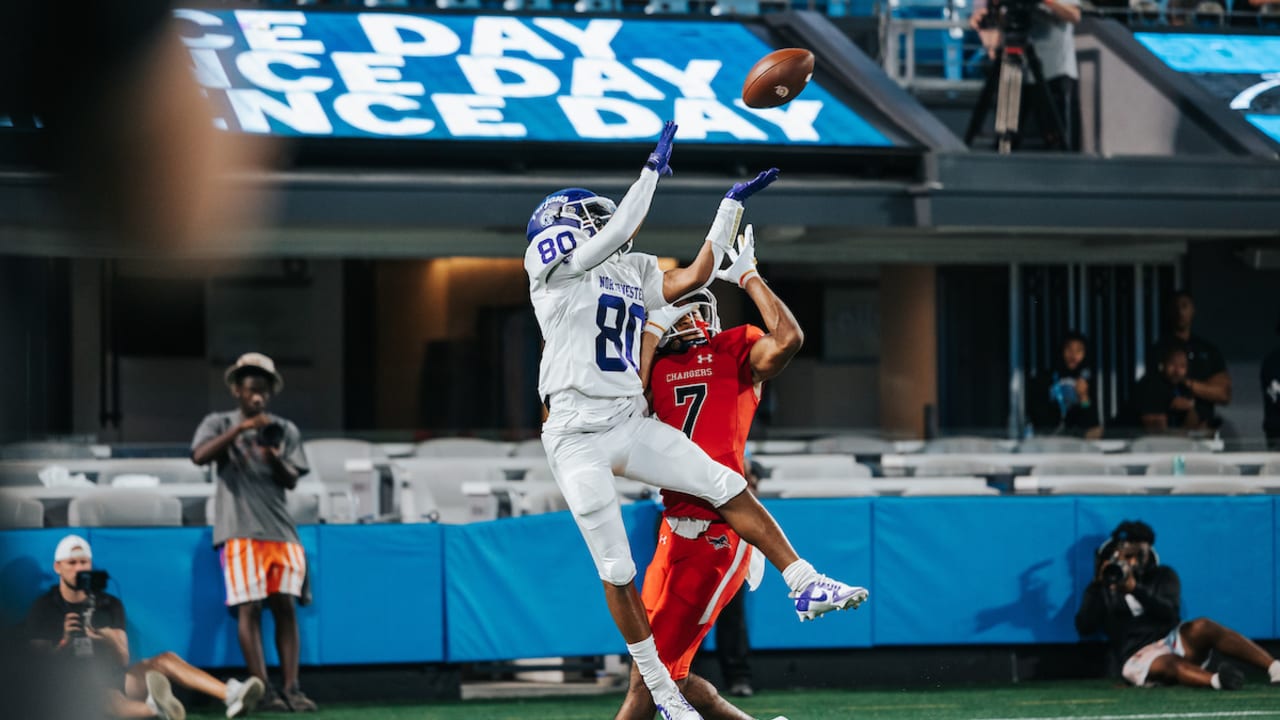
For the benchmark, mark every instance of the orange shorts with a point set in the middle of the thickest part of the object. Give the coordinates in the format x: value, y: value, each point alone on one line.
x: 687, y: 585
x: 254, y: 569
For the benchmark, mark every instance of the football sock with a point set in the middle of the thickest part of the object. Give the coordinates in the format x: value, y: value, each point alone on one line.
x: 645, y: 655
x: 799, y: 574
x: 1216, y: 681
x: 1274, y: 671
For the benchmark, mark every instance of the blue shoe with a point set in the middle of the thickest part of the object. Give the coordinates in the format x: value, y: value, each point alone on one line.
x: 824, y: 595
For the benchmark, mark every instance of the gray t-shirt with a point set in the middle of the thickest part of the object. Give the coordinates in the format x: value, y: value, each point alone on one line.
x: 1054, y: 41
x: 249, y: 503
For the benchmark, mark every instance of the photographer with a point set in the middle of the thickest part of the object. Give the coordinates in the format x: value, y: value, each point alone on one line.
x: 1136, y: 602
x: 78, y: 622
x: 257, y: 457
x: 1049, y: 26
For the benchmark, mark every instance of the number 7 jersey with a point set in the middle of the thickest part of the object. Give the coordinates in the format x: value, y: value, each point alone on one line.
x: 591, y: 320
x: 708, y: 392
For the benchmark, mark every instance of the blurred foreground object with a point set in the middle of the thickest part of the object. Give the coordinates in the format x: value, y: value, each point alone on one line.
x: 102, y: 95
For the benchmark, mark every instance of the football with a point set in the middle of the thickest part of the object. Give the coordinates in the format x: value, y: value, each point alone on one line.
x: 777, y: 78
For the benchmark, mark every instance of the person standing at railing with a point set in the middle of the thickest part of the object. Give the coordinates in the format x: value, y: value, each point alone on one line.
x: 1206, y: 379
x: 258, y: 456
x: 1052, y: 34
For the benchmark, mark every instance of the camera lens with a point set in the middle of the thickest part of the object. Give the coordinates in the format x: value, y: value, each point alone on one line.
x: 271, y: 435
x: 1113, y: 573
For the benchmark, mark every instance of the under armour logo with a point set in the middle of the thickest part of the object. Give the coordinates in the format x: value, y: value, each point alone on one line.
x: 705, y: 358
x: 662, y: 539
x: 1273, y: 391
x: 720, y: 542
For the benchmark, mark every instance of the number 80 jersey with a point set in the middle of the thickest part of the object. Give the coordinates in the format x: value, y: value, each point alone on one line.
x: 591, y: 320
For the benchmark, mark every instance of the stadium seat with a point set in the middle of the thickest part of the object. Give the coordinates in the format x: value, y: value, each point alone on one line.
x: 597, y: 6
x: 1097, y: 487
x: 1055, y: 444
x: 953, y: 445
x: 1225, y: 486
x: 1269, y: 16
x: 664, y: 7
x: 1167, y: 443
x: 20, y: 512
x: 736, y: 7
x: 536, y: 498
x: 960, y: 467
x: 778, y: 447
x: 851, y: 444
x: 46, y: 451
x: 539, y: 473
x: 458, y: 4
x: 939, y: 487
x: 1144, y: 13
x: 821, y: 488
x: 328, y: 458
x: 164, y: 470
x: 1083, y: 466
x: 1194, y: 466
x: 1209, y: 14
x: 529, y: 448
x: 442, y: 479
x: 124, y: 508
x: 462, y: 448
x: 811, y: 467
x: 23, y: 473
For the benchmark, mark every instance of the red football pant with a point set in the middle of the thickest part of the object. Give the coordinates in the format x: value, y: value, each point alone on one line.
x: 687, y: 585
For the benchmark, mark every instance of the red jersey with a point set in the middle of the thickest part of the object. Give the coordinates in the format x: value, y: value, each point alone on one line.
x: 707, y: 391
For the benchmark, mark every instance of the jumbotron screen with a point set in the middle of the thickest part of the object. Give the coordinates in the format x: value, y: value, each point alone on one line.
x: 478, y: 77
x: 1241, y: 70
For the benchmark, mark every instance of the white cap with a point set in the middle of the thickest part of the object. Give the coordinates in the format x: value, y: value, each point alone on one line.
x: 72, y: 546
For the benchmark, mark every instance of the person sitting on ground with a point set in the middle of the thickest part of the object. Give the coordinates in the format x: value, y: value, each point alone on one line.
x: 80, y: 625
x: 1136, y: 602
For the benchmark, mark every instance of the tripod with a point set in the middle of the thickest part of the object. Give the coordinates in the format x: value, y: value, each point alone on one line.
x: 1006, y: 78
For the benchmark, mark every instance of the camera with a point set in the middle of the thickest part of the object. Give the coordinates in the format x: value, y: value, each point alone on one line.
x: 1115, y: 571
x: 1011, y: 16
x: 91, y: 581
x: 271, y: 435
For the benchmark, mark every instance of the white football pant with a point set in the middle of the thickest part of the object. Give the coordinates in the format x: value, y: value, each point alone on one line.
x: 640, y: 448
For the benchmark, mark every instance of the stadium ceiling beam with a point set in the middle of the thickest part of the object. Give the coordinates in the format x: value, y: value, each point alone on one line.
x: 967, y: 206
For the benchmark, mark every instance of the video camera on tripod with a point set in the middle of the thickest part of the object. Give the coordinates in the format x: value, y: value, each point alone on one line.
x: 1006, y: 76
x: 1012, y: 18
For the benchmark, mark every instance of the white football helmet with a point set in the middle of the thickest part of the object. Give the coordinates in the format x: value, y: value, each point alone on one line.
x: 704, y: 326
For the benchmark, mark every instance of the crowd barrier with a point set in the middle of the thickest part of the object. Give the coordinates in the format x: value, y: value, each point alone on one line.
x: 942, y: 571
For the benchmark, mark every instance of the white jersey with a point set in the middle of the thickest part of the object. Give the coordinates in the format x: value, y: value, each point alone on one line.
x: 591, y: 320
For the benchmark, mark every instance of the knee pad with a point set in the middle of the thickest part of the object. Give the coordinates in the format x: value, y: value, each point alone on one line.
x: 617, y: 571
x: 607, y: 540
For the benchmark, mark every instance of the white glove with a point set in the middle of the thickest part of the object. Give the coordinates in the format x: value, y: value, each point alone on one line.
x: 743, y: 266
x: 658, y: 321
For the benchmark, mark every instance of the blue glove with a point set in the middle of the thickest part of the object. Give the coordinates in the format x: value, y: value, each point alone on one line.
x: 661, y: 155
x: 742, y: 191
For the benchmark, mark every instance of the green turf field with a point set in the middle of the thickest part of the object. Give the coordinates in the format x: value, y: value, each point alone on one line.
x: 1090, y: 700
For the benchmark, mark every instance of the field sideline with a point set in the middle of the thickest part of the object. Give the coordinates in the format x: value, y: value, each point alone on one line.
x: 1064, y: 700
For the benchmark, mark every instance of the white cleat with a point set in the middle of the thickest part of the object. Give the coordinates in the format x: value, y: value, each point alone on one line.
x: 243, y: 697
x: 160, y: 698
x: 824, y: 595
x: 673, y: 706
